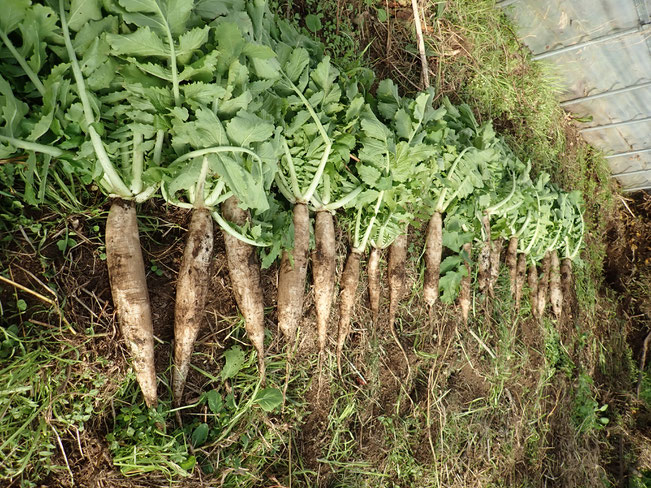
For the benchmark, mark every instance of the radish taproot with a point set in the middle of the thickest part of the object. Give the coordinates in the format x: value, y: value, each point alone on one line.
x: 397, y: 277
x: 291, y: 275
x: 244, y: 271
x: 129, y: 289
x: 555, y: 292
x: 496, y: 253
x: 543, y: 284
x: 373, y: 272
x: 323, y: 270
x: 433, y: 253
x: 191, y: 294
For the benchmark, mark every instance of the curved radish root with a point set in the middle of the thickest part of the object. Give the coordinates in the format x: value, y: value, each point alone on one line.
x: 397, y: 263
x: 191, y: 293
x: 349, y: 282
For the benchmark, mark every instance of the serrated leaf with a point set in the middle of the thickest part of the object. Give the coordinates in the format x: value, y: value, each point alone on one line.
x: 234, y: 362
x: 202, y: 69
x: 247, y: 128
x: 231, y: 107
x: 190, y: 42
x: 83, y: 11
x: 230, y: 43
x: 142, y: 42
x: 402, y: 124
x: 13, y: 12
x: 205, y: 131
x: 92, y: 30
x: 298, y: 60
x: 13, y: 110
x: 368, y: 174
x: 41, y: 127
x: 202, y: 94
x: 249, y: 189
x: 269, y: 399
x: 450, y: 283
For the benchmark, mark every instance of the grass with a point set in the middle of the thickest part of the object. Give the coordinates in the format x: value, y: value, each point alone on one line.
x: 503, y: 401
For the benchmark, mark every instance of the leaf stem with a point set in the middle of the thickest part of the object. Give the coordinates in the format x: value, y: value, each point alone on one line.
x: 201, y: 183
x: 55, y: 152
x: 216, y: 150
x: 492, y: 209
x: 137, y: 163
x: 158, y: 146
x: 362, y: 245
x: 23, y: 63
x: 292, y: 171
x: 344, y: 200
x: 227, y: 227
x: 112, y: 175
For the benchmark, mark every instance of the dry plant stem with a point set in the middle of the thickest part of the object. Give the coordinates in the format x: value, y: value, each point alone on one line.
x: 349, y: 282
x: 323, y: 270
x: 496, y: 253
x: 244, y: 270
x: 555, y: 292
x: 397, y: 278
x: 191, y: 293
x: 512, y: 264
x: 464, y: 294
x: 291, y: 277
x: 129, y: 289
x: 45, y: 299
x: 533, y: 289
x: 421, y: 43
x: 519, y: 279
x: 543, y: 284
x: 373, y: 272
x: 433, y: 251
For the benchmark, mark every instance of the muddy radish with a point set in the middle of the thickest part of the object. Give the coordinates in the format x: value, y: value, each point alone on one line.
x: 291, y: 277
x: 129, y: 289
x: 323, y: 266
x: 373, y: 271
x: 433, y: 251
x: 349, y: 282
x: 191, y: 293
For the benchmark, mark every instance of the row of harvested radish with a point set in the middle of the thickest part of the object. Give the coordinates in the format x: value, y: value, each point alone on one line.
x: 233, y: 113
